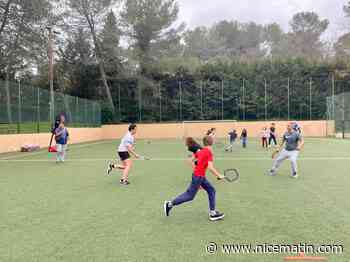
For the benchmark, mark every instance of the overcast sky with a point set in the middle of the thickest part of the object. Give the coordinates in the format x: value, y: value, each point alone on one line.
x: 207, y: 12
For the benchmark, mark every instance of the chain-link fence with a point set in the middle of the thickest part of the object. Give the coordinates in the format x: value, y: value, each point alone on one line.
x: 27, y: 109
x: 339, y: 110
x: 241, y: 99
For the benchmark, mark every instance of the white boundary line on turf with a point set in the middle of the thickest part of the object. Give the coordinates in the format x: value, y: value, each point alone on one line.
x: 178, y: 159
x: 45, y: 151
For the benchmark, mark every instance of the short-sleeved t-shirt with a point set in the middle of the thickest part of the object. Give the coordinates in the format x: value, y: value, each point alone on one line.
x: 265, y: 134
x: 203, y: 156
x: 291, y: 140
x: 194, y: 148
x: 127, y: 140
x: 61, y: 135
x: 272, y: 130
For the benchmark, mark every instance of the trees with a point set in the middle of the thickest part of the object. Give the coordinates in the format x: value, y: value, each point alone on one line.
x: 105, y: 49
x: 147, y: 22
x: 342, y: 47
x: 110, y: 49
x: 21, y: 37
x: 304, y: 39
x: 273, y: 35
x: 5, y: 6
x: 90, y: 13
x: 346, y: 9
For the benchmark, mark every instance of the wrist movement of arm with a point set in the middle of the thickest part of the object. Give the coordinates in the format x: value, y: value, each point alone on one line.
x: 281, y: 146
x: 213, y: 170
x: 132, y: 151
x: 301, y: 144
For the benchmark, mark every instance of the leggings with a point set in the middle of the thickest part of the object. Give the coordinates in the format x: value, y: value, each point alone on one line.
x: 272, y: 138
x: 264, y: 142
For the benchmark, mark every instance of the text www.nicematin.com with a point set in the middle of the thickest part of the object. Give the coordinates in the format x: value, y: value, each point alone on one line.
x: 215, y: 248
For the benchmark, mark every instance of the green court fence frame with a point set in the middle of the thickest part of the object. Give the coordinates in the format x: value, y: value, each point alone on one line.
x: 27, y: 109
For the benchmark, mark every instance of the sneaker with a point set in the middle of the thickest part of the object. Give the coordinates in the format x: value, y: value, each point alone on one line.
x: 295, y: 175
x: 126, y: 183
x: 216, y: 216
x: 167, y: 208
x: 270, y: 173
x: 109, y: 168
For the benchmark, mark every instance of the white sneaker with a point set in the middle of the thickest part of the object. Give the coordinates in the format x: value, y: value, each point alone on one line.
x: 295, y: 176
x: 216, y: 216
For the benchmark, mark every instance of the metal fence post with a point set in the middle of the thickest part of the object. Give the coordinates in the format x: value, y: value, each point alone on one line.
x: 77, y: 112
x: 288, y: 87
x: 222, y: 99
x: 93, y: 119
x: 265, y: 100
x: 19, y: 120
x: 119, y: 104
x: 310, y: 98
x: 38, y: 111
x: 160, y: 101
x: 333, y: 97
x: 201, y: 90
x: 86, y: 112
x: 343, y: 112
x: 180, y: 92
x: 140, y: 103
x: 243, y: 96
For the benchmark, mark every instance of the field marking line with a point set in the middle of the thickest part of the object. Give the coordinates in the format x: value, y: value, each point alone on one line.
x: 45, y: 151
x: 175, y: 159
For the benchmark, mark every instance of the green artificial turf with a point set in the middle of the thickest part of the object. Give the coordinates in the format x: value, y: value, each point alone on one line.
x: 74, y: 212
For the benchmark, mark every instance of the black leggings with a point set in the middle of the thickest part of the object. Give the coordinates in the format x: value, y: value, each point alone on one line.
x: 272, y: 138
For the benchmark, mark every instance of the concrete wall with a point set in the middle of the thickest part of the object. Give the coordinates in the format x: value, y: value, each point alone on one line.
x: 178, y: 130
x: 11, y: 143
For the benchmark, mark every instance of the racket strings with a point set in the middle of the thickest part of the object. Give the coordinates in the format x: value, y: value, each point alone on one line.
x: 231, y: 175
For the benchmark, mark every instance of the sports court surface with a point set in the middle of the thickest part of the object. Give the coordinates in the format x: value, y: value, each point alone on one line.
x: 74, y: 212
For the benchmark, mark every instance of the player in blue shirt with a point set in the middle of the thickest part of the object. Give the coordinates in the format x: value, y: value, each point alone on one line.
x: 61, y: 137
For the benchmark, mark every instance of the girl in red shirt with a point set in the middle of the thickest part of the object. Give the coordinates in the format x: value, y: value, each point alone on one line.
x: 204, y: 161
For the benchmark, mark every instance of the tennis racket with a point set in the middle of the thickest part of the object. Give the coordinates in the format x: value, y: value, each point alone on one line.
x: 144, y: 158
x: 231, y: 175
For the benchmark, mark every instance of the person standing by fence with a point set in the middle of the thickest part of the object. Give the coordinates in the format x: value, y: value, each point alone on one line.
x: 244, y: 138
x: 61, y: 137
x: 265, y: 134
x: 273, y: 135
x: 232, y: 136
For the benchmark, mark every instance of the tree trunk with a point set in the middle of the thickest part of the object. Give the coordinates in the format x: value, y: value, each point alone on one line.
x: 8, y: 95
x: 100, y: 62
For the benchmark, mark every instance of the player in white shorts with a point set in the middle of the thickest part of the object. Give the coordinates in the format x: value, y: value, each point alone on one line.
x: 294, y: 142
